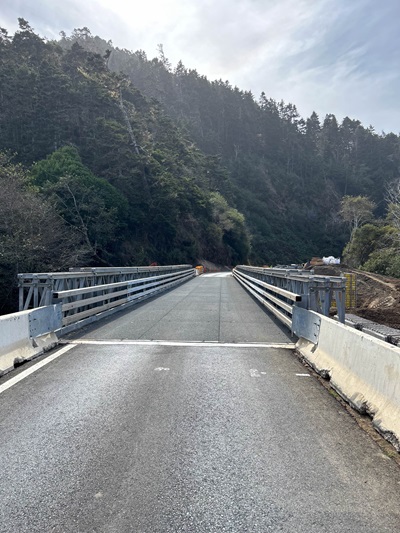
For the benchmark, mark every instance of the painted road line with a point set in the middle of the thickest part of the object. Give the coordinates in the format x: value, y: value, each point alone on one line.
x: 13, y: 381
x: 207, y: 344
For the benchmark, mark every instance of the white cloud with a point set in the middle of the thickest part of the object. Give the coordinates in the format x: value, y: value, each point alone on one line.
x: 333, y: 56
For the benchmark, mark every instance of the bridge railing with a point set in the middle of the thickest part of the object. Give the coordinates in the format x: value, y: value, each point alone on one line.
x: 281, y: 289
x: 86, y: 294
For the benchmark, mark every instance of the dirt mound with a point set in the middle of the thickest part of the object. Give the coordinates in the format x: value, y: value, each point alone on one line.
x: 378, y: 297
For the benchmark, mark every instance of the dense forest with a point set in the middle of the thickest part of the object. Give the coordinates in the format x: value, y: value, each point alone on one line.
x: 110, y: 158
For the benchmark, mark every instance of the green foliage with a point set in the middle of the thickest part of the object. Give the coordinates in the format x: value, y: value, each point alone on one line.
x: 374, y: 248
x: 393, y: 207
x: 230, y: 224
x: 355, y: 211
x: 367, y: 240
x: 377, y: 248
x: 32, y: 235
x: 385, y: 262
x: 297, y: 169
x: 89, y: 204
x: 116, y: 168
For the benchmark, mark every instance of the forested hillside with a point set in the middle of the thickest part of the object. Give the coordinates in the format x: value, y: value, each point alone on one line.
x: 287, y: 174
x: 109, y: 158
x: 86, y: 153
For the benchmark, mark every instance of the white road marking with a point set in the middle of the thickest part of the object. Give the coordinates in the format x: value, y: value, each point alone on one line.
x: 303, y: 375
x: 207, y: 344
x: 161, y: 368
x: 263, y: 373
x: 13, y: 381
x: 254, y: 373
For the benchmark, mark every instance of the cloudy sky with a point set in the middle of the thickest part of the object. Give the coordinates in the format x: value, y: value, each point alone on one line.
x: 331, y: 56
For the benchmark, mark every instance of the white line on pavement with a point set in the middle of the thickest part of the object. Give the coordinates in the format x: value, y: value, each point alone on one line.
x: 13, y: 381
x: 208, y: 344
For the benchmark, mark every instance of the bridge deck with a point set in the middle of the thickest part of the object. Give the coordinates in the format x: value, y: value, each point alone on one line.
x: 122, y: 435
x: 212, y: 307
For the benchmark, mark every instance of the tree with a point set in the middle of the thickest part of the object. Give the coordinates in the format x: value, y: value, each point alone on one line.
x: 385, y: 261
x: 355, y: 211
x: 367, y: 239
x: 313, y: 132
x: 90, y: 205
x: 393, y: 200
x: 231, y: 228
x: 164, y: 60
x: 33, y: 237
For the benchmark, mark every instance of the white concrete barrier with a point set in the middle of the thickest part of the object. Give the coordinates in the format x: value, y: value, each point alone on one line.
x: 21, y: 339
x: 363, y: 369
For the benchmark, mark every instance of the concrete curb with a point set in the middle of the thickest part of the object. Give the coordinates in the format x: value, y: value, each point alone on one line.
x: 362, y: 369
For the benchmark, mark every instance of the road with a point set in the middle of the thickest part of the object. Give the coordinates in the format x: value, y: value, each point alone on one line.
x: 189, y: 413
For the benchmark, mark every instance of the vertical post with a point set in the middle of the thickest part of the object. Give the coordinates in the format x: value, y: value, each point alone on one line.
x: 35, y: 293
x: 327, y: 299
x: 340, y: 295
x: 21, y: 296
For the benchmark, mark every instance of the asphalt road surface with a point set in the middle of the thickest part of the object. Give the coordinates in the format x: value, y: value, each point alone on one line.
x: 189, y: 413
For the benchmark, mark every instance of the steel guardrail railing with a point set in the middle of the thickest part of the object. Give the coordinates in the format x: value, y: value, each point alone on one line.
x: 281, y: 289
x: 87, y: 293
x: 36, y: 289
x: 81, y: 307
x: 276, y: 305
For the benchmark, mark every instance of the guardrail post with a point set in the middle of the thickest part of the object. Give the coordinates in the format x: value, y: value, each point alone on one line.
x: 340, y: 297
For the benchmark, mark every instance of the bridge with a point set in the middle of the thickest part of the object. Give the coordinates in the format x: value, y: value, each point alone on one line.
x: 154, y: 400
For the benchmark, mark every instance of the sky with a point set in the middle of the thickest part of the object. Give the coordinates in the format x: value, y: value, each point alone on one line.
x: 328, y: 56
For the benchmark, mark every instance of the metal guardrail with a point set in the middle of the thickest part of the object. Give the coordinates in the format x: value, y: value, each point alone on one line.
x: 280, y: 289
x: 277, y: 302
x: 86, y: 293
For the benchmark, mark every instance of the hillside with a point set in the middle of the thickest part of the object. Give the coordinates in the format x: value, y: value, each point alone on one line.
x: 287, y: 173
x: 115, y: 177
x: 131, y: 161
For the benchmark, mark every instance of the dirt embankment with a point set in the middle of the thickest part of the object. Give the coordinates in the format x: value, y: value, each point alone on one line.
x: 378, y: 297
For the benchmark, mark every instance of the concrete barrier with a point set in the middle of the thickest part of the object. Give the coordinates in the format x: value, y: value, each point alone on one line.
x: 362, y: 369
x: 27, y: 334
